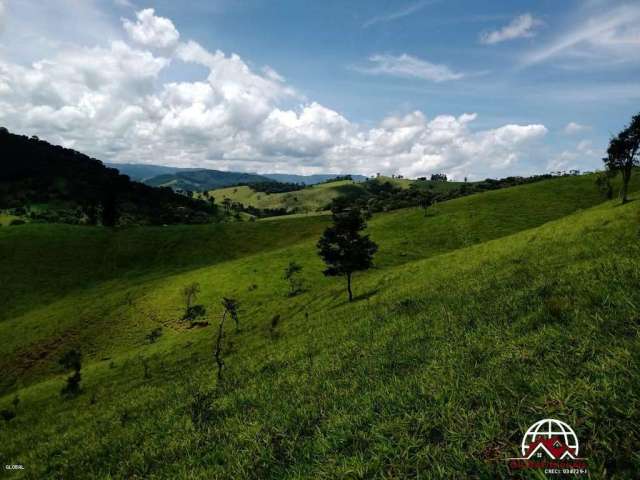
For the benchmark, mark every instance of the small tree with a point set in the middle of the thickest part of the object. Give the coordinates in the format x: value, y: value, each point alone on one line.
x: 426, y: 199
x: 603, y: 181
x: 230, y: 308
x: 624, y: 153
x: 343, y: 249
x: 190, y: 294
x: 292, y: 275
x: 72, y: 360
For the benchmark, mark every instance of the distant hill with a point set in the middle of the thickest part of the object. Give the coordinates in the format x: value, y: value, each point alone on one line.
x: 309, y: 179
x: 40, y: 181
x: 148, y: 174
x: 203, y: 180
x: 140, y: 173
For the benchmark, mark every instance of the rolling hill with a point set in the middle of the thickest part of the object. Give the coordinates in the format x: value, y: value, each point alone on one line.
x: 170, y: 176
x: 306, y: 200
x: 202, y: 180
x: 436, y: 369
x: 44, y: 182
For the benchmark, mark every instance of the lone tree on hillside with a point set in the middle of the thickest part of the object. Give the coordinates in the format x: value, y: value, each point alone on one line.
x: 624, y: 153
x: 426, y: 199
x: 343, y: 249
x: 72, y: 360
x: 292, y: 276
x: 229, y: 307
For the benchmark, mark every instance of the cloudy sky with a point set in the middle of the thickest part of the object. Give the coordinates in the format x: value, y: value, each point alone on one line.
x: 410, y: 87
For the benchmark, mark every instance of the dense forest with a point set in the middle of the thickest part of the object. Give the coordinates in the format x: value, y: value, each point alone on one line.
x: 51, y: 183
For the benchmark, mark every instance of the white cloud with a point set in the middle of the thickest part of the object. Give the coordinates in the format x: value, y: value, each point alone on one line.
x: 612, y: 35
x: 396, y: 15
x: 573, y: 128
x: 152, y: 31
x: 520, y: 27
x: 109, y: 102
x: 407, y: 66
x: 582, y: 157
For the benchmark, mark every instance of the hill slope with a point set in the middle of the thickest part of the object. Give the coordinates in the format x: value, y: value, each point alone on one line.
x: 306, y: 200
x: 202, y: 180
x: 60, y: 183
x: 436, y: 369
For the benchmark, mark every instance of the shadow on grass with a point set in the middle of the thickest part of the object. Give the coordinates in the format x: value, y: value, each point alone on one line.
x: 357, y: 298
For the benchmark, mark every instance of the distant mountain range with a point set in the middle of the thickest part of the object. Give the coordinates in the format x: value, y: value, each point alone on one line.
x: 204, y: 179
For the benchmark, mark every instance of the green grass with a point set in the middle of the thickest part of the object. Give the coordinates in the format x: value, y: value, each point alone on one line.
x: 6, y: 219
x: 495, y: 311
x: 310, y: 199
x: 317, y: 197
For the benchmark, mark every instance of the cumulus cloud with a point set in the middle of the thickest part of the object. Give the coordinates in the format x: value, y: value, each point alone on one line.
x: 582, y: 157
x: 152, y: 31
x: 573, y: 128
x: 407, y: 66
x: 520, y: 27
x: 109, y: 101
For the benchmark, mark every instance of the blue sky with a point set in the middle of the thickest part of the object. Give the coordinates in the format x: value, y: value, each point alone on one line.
x: 414, y: 87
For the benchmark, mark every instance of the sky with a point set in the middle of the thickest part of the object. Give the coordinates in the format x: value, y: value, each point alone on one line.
x: 411, y: 87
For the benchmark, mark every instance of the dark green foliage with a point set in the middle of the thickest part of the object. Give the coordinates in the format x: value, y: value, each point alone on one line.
x: 154, y: 335
x: 438, y: 177
x: 603, y: 182
x: 7, y: 415
x: 275, y: 187
x: 623, y: 154
x: 231, y: 306
x: 190, y: 294
x: 380, y: 196
x: 110, y: 212
x: 194, y: 312
x: 343, y: 249
x: 36, y: 172
x: 16, y: 222
x: 72, y: 360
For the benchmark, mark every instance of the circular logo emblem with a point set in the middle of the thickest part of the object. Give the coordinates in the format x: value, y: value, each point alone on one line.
x: 550, y: 438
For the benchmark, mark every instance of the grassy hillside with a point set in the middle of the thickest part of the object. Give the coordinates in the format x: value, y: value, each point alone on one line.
x: 436, y: 370
x: 307, y: 200
x: 202, y: 180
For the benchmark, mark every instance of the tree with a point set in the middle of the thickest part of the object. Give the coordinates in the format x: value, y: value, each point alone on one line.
x: 426, y: 198
x: 292, y: 275
x: 72, y: 360
x: 624, y: 153
x: 439, y: 177
x: 343, y: 249
x: 603, y: 181
x: 190, y: 293
x: 230, y: 307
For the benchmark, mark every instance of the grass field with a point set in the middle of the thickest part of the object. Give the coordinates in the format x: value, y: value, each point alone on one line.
x: 309, y: 199
x: 316, y: 197
x: 490, y: 313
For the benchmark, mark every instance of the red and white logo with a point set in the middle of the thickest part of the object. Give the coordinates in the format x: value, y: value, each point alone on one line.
x: 551, y: 445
